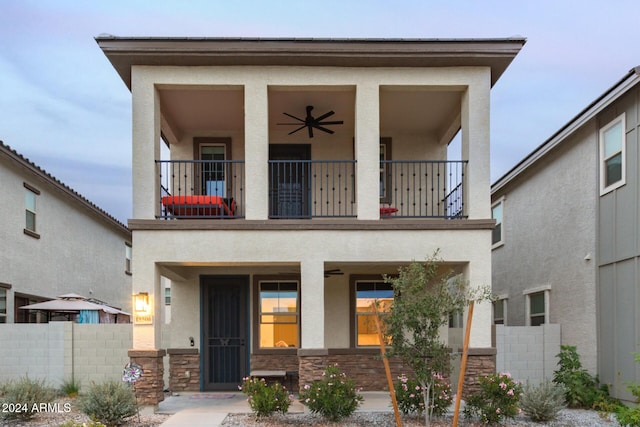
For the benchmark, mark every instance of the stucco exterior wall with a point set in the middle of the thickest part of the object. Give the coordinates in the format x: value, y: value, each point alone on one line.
x: 76, y: 252
x: 554, y: 199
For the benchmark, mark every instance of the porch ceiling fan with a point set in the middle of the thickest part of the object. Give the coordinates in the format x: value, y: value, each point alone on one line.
x: 311, y: 122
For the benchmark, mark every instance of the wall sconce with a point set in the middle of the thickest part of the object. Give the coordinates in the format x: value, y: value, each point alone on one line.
x: 141, y: 302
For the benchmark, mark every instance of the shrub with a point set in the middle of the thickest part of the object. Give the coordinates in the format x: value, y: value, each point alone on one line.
x: 542, y: 402
x: 265, y: 399
x: 70, y: 388
x: 628, y: 416
x: 21, y: 399
x: 334, y: 396
x: 581, y: 388
x: 79, y: 424
x: 110, y: 403
x: 497, y: 399
x: 410, y: 398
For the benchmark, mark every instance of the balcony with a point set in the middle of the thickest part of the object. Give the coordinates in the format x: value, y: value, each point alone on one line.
x: 305, y: 189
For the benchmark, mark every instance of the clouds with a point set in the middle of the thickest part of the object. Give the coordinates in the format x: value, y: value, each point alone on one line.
x: 64, y: 106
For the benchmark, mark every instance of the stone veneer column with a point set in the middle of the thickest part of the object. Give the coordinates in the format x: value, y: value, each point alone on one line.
x: 480, y: 361
x: 149, y: 388
x: 312, y: 364
x: 184, y: 369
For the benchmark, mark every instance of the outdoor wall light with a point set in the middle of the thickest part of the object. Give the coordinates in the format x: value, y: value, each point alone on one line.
x: 141, y: 302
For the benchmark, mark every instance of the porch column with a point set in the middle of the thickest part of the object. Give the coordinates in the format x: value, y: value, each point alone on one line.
x: 146, y: 145
x: 256, y: 151
x: 312, y: 304
x: 475, y: 146
x: 367, y: 150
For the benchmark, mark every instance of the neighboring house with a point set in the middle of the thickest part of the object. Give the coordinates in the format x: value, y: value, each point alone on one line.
x: 54, y: 242
x: 300, y: 172
x: 566, y: 248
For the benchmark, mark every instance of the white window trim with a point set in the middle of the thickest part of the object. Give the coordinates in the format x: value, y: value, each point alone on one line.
x: 527, y: 293
x: 604, y: 190
x: 505, y: 299
x: 499, y: 243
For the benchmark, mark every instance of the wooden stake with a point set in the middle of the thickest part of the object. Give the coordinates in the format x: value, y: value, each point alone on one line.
x: 392, y: 390
x: 463, y: 365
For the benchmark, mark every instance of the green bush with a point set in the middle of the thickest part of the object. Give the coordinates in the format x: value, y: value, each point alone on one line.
x: 70, y: 388
x: 542, y: 402
x: 110, y: 403
x: 409, y: 395
x: 628, y: 416
x: 79, y: 424
x: 497, y: 399
x: 334, y: 396
x: 581, y: 388
x: 21, y: 399
x: 266, y: 399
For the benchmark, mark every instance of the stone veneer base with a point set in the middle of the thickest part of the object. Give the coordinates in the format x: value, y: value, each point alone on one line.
x: 149, y: 388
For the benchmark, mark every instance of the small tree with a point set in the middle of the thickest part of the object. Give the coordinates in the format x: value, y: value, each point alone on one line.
x: 424, y: 297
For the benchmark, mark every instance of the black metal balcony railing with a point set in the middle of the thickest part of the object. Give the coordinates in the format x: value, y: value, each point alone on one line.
x: 422, y: 188
x: 311, y: 188
x: 201, y: 188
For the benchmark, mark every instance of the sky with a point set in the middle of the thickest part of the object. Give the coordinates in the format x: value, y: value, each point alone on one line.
x: 64, y: 107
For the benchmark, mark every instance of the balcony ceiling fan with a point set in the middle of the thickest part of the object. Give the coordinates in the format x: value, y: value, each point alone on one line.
x: 311, y: 122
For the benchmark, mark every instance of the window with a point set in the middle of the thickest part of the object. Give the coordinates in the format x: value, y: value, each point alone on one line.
x: 612, y: 155
x: 30, y: 209
x: 279, y: 315
x: 499, y: 311
x: 167, y: 296
x: 537, y: 309
x: 385, y: 170
x: 497, y: 214
x: 127, y: 258
x: 213, y: 152
x: 368, y: 293
x: 3, y: 305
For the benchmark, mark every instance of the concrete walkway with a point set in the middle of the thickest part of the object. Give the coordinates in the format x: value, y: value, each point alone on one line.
x: 197, y: 409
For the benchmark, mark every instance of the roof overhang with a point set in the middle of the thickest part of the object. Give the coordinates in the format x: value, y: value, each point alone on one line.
x: 125, y: 52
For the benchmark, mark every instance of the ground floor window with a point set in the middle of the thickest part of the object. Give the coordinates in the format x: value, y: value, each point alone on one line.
x: 279, y: 314
x: 3, y: 305
x: 368, y: 292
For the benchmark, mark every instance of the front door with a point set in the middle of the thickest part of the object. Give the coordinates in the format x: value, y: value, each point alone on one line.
x: 289, y: 180
x: 224, y: 331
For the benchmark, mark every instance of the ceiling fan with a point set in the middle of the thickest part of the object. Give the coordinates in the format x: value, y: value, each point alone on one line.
x: 327, y: 273
x: 311, y: 122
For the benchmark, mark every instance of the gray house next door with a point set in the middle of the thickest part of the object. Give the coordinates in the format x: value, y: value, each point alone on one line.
x: 224, y: 331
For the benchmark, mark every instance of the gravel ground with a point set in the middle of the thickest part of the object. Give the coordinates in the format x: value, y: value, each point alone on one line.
x: 566, y: 418
x: 71, y: 412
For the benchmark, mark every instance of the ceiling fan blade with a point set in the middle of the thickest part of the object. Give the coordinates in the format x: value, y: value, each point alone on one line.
x: 335, y: 122
x: 300, y: 128
x: 324, y: 116
x: 310, y: 131
x: 323, y: 129
x: 294, y: 117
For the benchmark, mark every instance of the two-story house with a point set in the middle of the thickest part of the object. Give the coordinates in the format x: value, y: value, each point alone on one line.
x: 54, y: 242
x: 566, y: 248
x: 300, y: 171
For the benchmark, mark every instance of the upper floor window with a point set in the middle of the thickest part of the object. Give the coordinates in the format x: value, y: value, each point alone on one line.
x: 612, y: 155
x: 167, y: 296
x: 500, y: 311
x: 30, y: 195
x: 497, y: 214
x: 367, y: 293
x: 3, y: 305
x: 127, y: 258
x: 385, y: 170
x: 279, y: 314
x: 213, y: 153
x: 537, y: 305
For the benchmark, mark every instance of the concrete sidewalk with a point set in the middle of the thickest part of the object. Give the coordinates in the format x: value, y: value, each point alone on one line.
x: 196, y: 409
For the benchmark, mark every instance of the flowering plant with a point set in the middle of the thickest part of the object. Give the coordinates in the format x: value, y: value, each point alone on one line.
x: 265, y: 399
x: 334, y: 396
x: 410, y: 395
x: 497, y: 399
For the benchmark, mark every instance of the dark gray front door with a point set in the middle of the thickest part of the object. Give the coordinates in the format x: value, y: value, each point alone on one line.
x: 224, y: 331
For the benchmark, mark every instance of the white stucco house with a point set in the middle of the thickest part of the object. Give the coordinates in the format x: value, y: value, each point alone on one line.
x: 299, y: 172
x: 55, y: 242
x: 566, y: 248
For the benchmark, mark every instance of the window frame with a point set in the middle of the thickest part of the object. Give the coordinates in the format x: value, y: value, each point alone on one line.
x: 128, y: 258
x: 257, y: 314
x: 31, y: 190
x: 167, y: 295
x: 385, y: 171
x: 198, y: 144
x: 604, y: 188
x: 500, y: 242
x: 528, y: 293
x: 504, y: 300
x: 353, y: 324
x: 4, y: 295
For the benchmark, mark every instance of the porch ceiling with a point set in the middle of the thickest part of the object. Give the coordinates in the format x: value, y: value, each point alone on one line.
x: 407, y: 110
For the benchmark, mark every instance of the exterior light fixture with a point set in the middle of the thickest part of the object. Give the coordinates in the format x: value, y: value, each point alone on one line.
x: 141, y: 302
